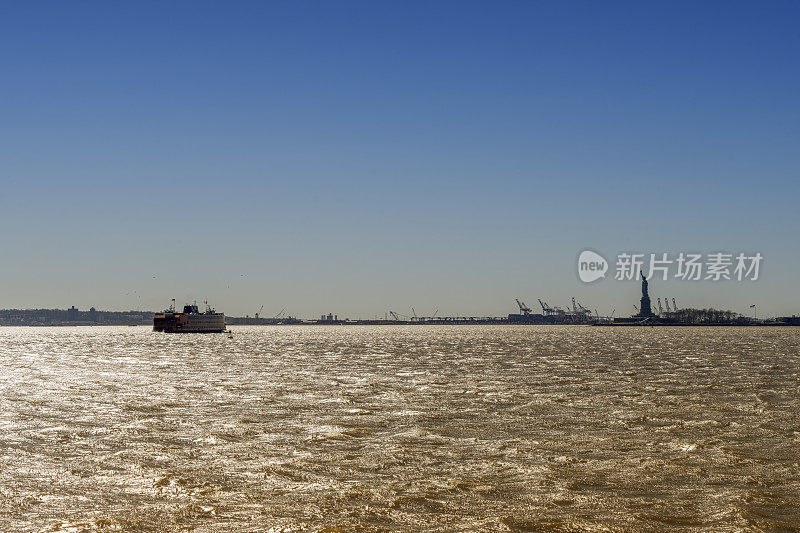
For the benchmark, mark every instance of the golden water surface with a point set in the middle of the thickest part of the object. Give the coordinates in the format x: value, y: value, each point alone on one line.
x: 393, y: 428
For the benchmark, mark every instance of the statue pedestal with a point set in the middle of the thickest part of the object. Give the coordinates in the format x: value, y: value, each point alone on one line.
x: 644, y: 309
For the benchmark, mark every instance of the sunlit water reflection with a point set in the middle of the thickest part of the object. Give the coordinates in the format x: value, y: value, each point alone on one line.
x: 399, y: 428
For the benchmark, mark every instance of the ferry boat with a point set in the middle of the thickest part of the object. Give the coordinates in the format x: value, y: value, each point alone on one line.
x: 191, y: 320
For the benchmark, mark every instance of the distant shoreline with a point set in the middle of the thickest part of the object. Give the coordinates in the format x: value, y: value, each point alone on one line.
x: 381, y: 323
x: 94, y: 317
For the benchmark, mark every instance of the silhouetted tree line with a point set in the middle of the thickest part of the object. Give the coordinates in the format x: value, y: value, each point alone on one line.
x: 704, y: 316
x: 59, y: 317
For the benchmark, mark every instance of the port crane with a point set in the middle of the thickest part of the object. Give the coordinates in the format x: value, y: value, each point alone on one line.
x: 422, y: 318
x: 578, y: 308
x: 524, y: 309
x: 259, y: 311
x: 550, y: 310
x: 547, y: 309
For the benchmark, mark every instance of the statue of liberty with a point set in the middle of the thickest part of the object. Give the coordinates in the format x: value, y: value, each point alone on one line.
x: 644, y: 310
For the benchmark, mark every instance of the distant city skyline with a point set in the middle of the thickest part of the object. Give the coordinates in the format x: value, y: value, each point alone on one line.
x: 359, y: 157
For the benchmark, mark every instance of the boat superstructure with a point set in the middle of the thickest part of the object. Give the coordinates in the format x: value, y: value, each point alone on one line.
x: 191, y: 320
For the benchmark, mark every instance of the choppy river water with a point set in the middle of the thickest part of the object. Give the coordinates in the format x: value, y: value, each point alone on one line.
x: 392, y: 428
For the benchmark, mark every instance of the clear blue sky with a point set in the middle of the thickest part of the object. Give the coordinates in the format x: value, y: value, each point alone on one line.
x: 355, y: 157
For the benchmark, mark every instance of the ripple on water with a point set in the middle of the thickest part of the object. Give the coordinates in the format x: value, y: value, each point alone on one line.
x: 412, y: 428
